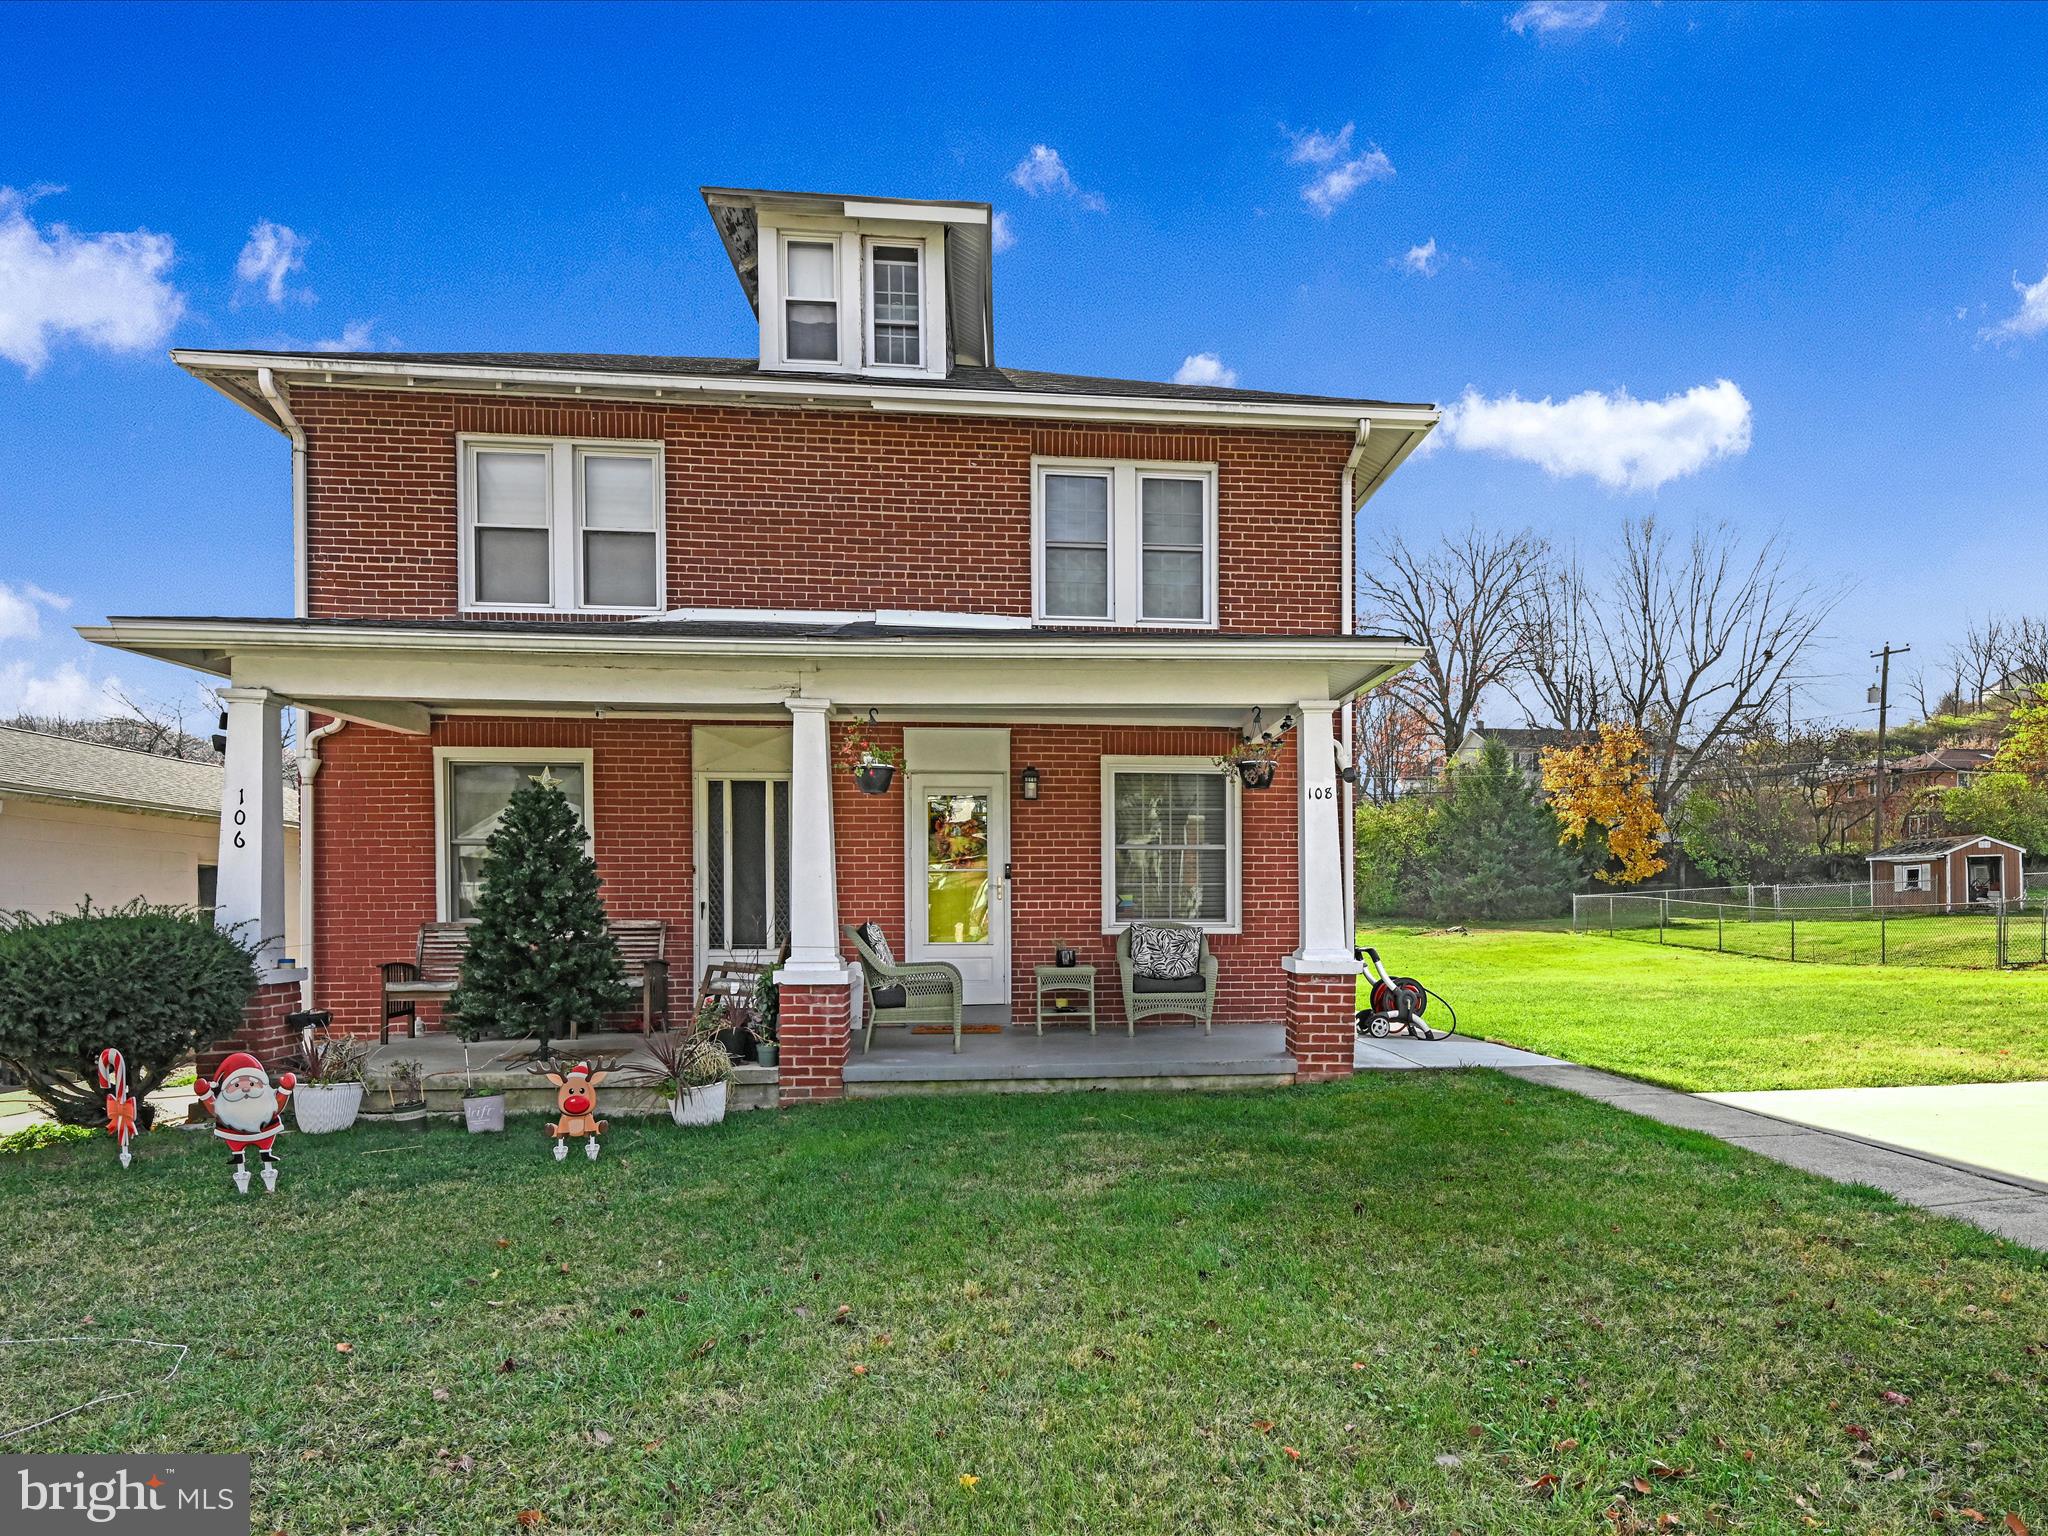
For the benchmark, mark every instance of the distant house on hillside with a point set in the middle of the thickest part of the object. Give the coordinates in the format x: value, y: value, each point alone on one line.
x: 1525, y: 746
x: 78, y: 819
x: 1852, y: 794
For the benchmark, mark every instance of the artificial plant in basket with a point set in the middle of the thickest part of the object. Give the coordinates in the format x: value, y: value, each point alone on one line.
x: 540, y: 957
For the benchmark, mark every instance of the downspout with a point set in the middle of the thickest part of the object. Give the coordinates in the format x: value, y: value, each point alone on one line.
x: 1347, y: 788
x: 309, y: 770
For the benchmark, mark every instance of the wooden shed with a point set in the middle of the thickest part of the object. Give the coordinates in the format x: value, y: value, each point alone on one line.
x: 1947, y: 873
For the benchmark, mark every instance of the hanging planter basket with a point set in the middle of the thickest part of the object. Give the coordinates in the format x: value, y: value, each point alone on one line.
x: 874, y: 778
x: 1257, y: 772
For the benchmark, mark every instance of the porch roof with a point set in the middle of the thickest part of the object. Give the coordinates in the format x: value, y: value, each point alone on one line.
x: 397, y: 673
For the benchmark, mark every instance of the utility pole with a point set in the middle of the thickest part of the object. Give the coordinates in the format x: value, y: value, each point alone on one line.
x: 1881, y: 697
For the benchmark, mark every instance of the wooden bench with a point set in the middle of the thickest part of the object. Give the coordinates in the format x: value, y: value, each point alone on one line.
x: 431, y: 975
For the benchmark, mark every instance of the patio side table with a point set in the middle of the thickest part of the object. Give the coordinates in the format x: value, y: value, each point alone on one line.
x: 1063, y: 978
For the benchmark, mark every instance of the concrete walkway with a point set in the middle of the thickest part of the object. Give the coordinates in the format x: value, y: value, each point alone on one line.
x: 1995, y: 1128
x: 2009, y: 1206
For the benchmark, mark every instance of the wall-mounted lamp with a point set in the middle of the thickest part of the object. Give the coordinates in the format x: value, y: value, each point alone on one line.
x: 1027, y: 783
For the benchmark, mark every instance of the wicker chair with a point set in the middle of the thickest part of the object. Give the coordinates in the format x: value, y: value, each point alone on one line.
x: 1194, y: 998
x: 928, y: 992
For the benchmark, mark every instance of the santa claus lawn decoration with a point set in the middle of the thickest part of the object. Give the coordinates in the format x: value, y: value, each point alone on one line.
x: 120, y: 1100
x: 247, y: 1113
x: 576, y: 1097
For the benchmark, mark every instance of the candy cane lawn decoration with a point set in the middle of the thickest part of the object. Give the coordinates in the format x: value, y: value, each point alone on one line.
x: 120, y: 1100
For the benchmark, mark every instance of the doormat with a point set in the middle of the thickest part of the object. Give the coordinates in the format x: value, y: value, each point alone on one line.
x: 965, y: 1029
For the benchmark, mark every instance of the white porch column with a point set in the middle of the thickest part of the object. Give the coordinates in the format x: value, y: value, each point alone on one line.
x: 813, y: 878
x: 1326, y: 944
x: 249, y: 890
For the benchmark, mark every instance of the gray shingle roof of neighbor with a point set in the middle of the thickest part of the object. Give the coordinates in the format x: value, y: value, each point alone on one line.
x: 47, y: 766
x: 963, y: 377
x: 1928, y: 847
x: 755, y: 629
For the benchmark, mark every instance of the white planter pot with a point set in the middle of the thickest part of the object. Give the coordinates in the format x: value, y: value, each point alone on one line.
x: 699, y: 1106
x: 321, y: 1108
x: 484, y: 1112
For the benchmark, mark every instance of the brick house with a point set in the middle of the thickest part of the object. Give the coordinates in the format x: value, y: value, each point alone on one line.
x: 1912, y: 785
x: 679, y: 584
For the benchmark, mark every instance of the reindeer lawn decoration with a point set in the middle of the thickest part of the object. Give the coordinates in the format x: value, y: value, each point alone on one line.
x: 576, y: 1097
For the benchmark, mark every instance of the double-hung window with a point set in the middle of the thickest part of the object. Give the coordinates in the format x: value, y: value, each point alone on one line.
x: 895, y: 304
x: 810, y: 301
x: 556, y: 525
x: 1170, y: 843
x: 1124, y: 543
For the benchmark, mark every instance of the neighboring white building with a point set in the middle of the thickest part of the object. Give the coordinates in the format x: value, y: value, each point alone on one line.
x: 78, y: 819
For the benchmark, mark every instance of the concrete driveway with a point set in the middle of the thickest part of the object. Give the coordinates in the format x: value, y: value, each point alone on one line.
x: 1999, y: 1127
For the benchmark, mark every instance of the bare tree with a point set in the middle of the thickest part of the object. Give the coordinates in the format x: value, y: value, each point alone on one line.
x: 1700, y: 640
x: 160, y: 727
x: 1392, y: 745
x: 1561, y: 660
x: 1461, y: 599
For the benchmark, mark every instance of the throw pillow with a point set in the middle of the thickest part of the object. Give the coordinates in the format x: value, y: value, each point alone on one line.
x: 1165, y: 954
x: 878, y: 941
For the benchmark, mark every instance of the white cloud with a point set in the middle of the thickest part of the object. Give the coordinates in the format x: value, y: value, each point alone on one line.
x: 19, y: 616
x: 1624, y: 443
x: 273, y: 253
x: 1311, y: 146
x: 106, y: 290
x: 66, y: 690
x: 1000, y: 236
x: 2030, y: 319
x: 1042, y: 172
x: 1422, y: 260
x: 1205, y: 368
x: 1549, y: 18
x: 356, y: 336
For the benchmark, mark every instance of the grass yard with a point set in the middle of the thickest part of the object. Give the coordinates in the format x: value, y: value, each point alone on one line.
x: 1415, y: 1302
x: 1965, y: 940
x: 1711, y: 1022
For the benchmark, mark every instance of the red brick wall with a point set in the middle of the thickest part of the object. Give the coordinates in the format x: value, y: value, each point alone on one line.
x: 374, y: 850
x: 773, y: 508
x: 1321, y: 1030
x: 262, y: 1034
x: 812, y: 1027
x: 375, y: 865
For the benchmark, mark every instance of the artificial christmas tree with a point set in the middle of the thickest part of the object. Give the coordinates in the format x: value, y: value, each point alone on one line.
x: 540, y: 957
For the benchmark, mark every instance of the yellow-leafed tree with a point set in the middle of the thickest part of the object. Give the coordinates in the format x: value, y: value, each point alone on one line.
x: 1604, y: 785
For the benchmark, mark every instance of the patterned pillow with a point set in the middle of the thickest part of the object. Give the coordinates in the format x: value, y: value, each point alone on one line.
x: 878, y: 941
x: 1165, y: 954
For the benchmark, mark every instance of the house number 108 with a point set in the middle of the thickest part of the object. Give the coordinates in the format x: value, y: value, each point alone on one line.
x: 1322, y: 792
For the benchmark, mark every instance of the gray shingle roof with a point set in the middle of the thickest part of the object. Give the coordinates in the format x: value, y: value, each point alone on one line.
x: 998, y: 380
x: 1926, y: 847
x: 63, y: 768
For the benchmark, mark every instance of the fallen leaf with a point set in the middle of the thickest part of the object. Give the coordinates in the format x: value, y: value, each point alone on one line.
x: 860, y: 1370
x: 1263, y: 1426
x: 531, y: 1518
x: 1896, y: 1399
x: 968, y: 1479
x: 311, y: 1454
x: 440, y: 1394
x: 1668, y: 1473
x: 1449, y: 1459
x: 1972, y: 1514
x: 1292, y: 1453
x: 599, y: 1438
x: 507, y: 1366
x: 1566, y: 1445
x: 504, y: 1242
x: 1542, y: 1484
x: 844, y: 1316
x: 1668, y: 1522
x: 1856, y: 1432
x: 1358, y: 1365
x: 636, y: 1312
x: 705, y: 1348
x: 651, y: 1445
x: 1640, y: 1484
x: 2015, y: 1524
x: 344, y: 1349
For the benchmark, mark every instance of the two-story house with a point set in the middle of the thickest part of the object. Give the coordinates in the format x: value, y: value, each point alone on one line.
x: 678, y: 584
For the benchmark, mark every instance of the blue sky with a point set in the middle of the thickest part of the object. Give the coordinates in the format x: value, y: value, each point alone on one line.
x: 1834, y: 209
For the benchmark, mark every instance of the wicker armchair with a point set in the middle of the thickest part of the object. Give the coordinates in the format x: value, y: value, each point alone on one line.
x: 1194, y: 998
x: 928, y: 992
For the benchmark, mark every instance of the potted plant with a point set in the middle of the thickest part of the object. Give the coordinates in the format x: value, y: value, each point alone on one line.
x: 330, y: 1090
x: 690, y: 1071
x: 767, y: 1009
x: 481, y: 1112
x: 728, y: 1018
x: 405, y: 1098
x: 872, y: 763
x: 1254, y: 761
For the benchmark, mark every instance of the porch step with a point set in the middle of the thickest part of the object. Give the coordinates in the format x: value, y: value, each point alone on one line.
x: 875, y: 1085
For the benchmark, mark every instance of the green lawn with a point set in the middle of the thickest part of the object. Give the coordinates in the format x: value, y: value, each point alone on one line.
x: 1466, y: 1302
x: 1722, y: 1022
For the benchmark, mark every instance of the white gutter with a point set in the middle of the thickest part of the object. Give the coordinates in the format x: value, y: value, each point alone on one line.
x: 267, y: 383
x: 309, y: 770
x: 1347, y: 796
x: 877, y: 395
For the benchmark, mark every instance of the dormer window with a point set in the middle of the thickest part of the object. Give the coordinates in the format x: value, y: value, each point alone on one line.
x: 811, y: 301
x: 895, y: 304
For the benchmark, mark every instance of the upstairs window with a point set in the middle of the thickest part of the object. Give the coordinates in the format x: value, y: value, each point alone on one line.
x: 1125, y: 544
x: 810, y: 302
x: 895, y: 306
x: 554, y: 525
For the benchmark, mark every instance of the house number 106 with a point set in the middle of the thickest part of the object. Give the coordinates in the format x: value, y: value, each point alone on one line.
x: 241, y: 817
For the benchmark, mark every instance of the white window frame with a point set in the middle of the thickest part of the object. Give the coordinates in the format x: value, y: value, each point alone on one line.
x: 445, y: 757
x: 565, y: 457
x: 835, y: 243
x: 1126, y: 540
x: 1233, y: 863
x: 924, y: 305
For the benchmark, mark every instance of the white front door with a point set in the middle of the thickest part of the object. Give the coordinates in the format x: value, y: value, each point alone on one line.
x: 743, y: 868
x: 958, y: 842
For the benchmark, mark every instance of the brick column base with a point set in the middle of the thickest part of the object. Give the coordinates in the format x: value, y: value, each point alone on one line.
x: 814, y: 1030
x: 262, y: 1033
x: 1321, y: 1024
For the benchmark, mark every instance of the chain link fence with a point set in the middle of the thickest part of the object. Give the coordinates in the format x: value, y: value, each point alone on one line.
x: 1986, y: 936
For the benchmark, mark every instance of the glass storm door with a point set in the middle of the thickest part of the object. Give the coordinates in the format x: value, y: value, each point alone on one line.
x: 743, y: 905
x: 959, y: 849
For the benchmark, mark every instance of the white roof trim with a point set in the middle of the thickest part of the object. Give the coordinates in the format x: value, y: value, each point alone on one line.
x: 896, y: 618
